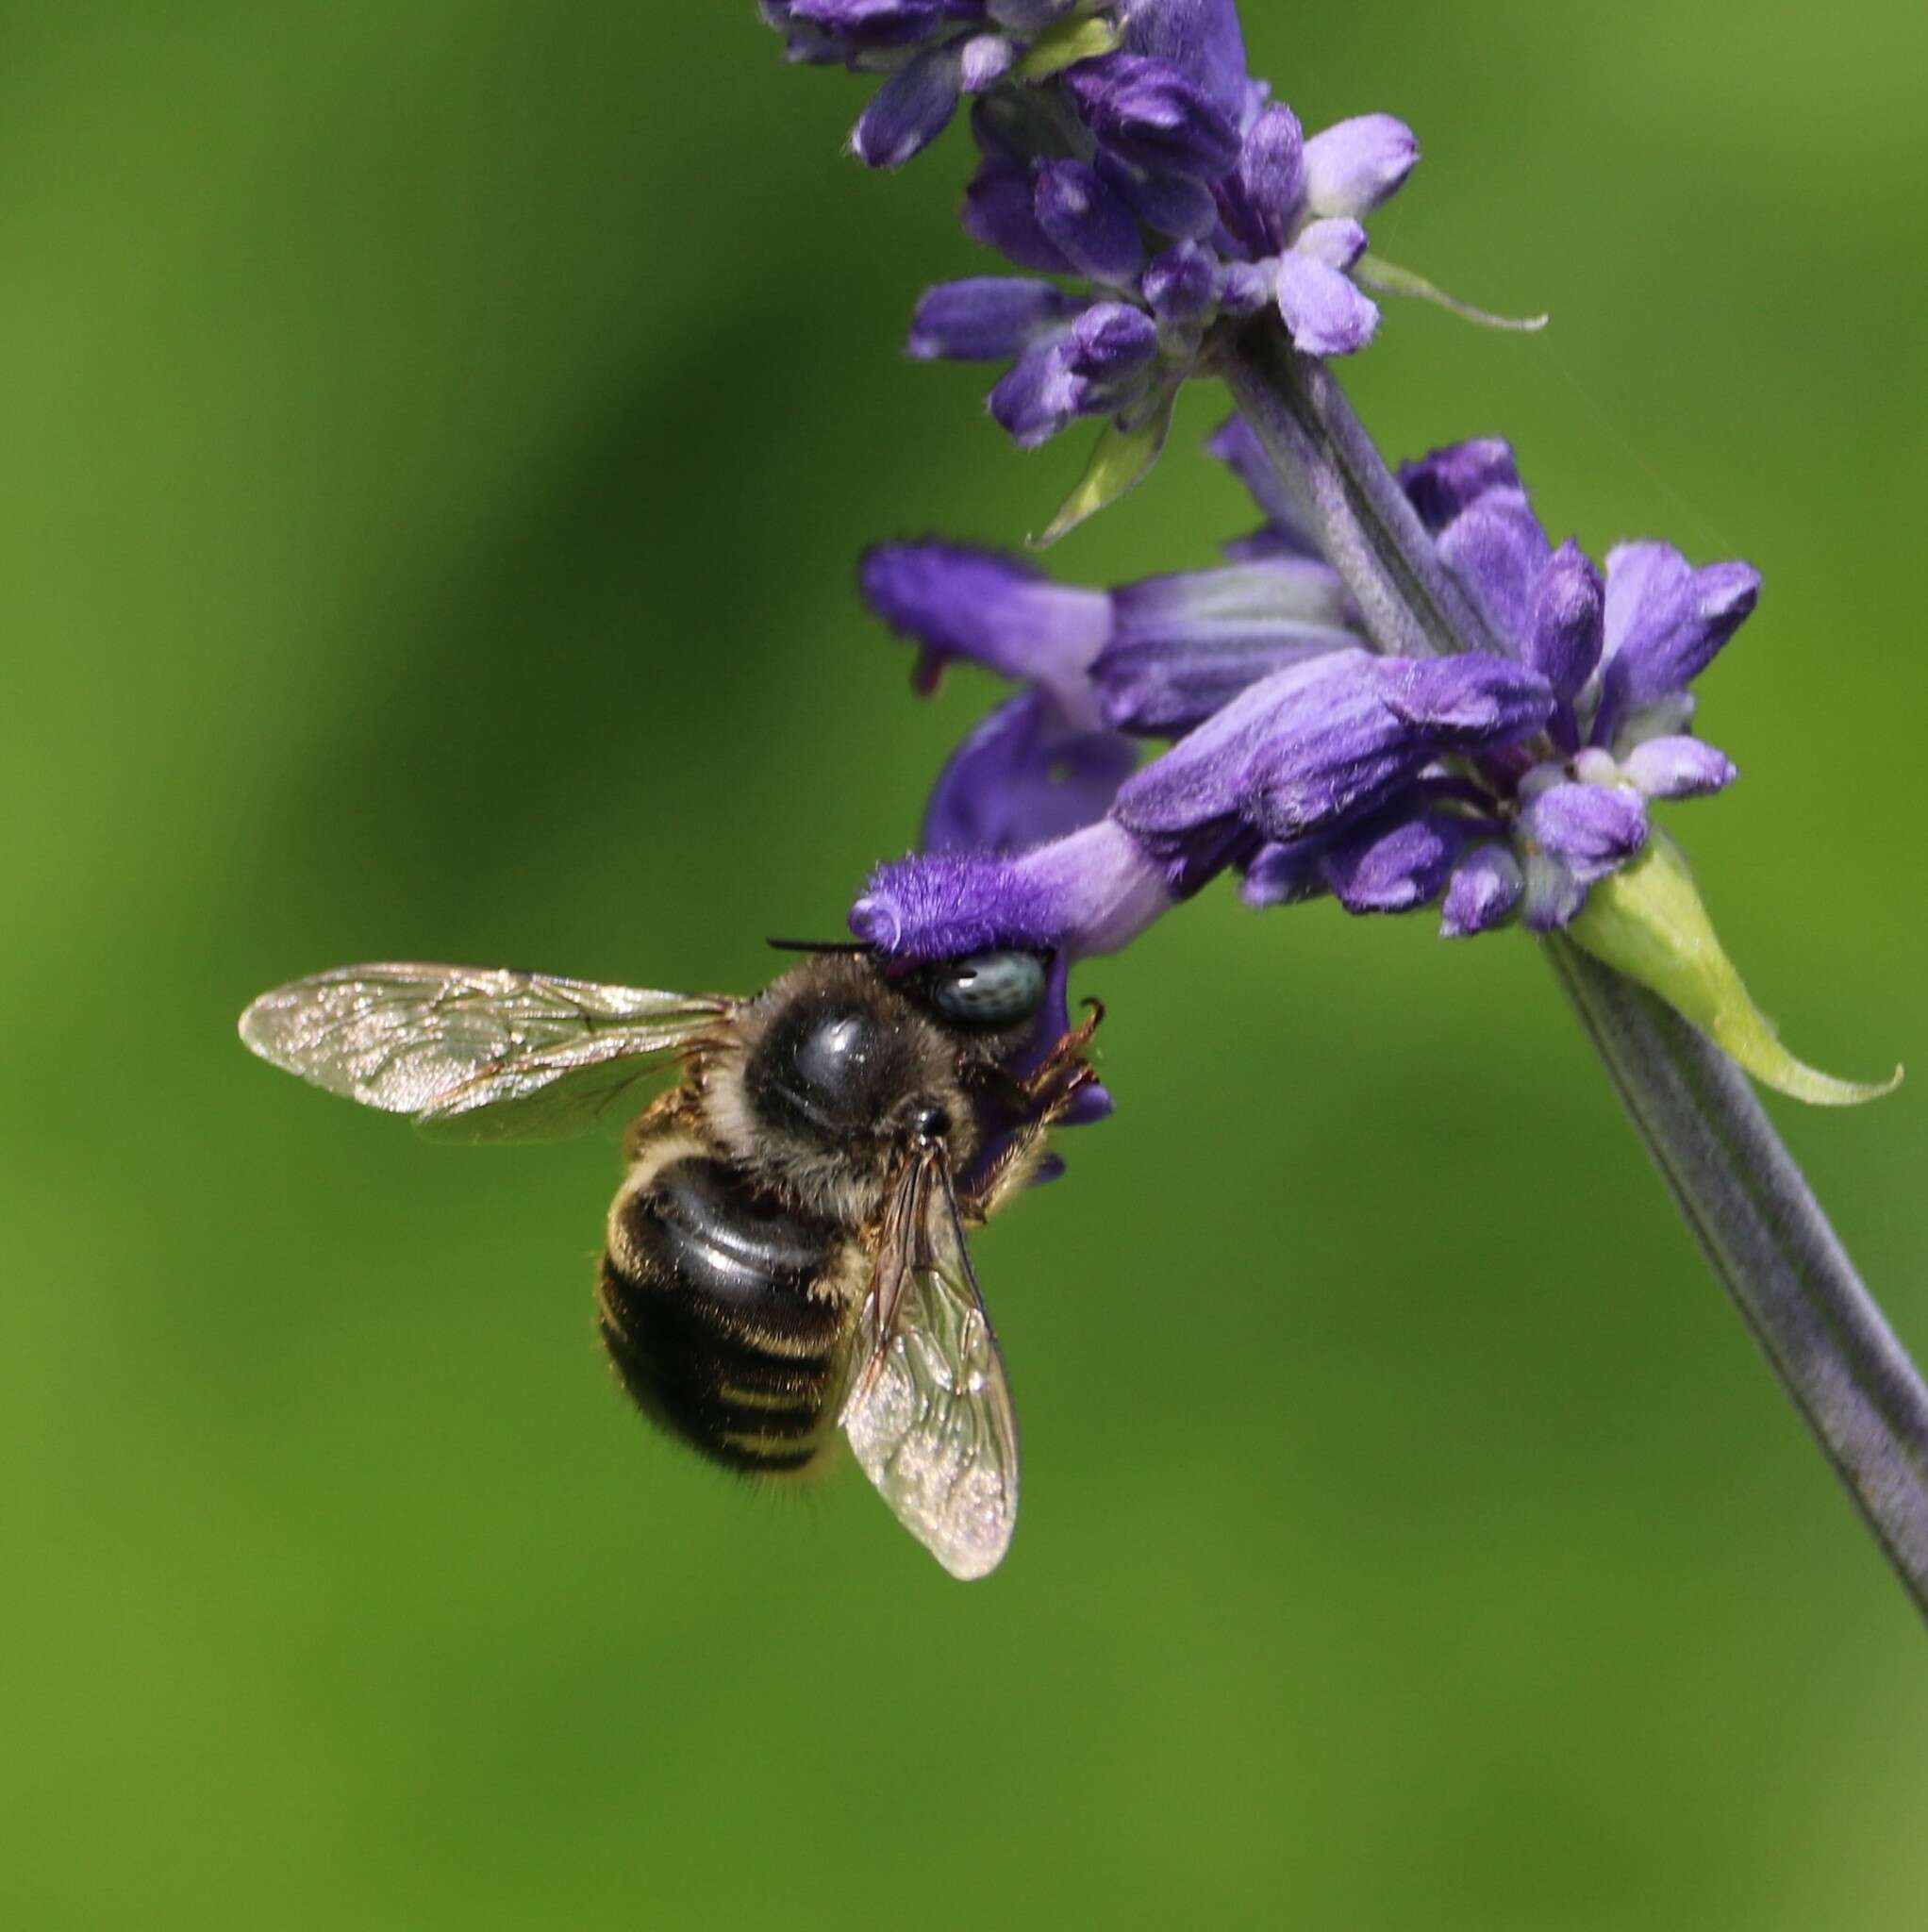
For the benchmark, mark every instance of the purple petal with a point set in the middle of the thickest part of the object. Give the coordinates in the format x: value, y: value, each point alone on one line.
x: 1665, y: 622
x: 1169, y: 202
x: 1678, y: 768
x: 1150, y: 114
x: 1590, y: 829
x: 991, y: 609
x: 1271, y: 176
x: 1001, y: 212
x: 983, y: 60
x: 1183, y: 646
x: 986, y: 318
x: 1180, y: 284
x: 1310, y: 745
x: 1202, y: 783
x: 1028, y: 16
x: 1038, y: 395
x: 1200, y: 38
x: 1353, y: 166
x: 1396, y: 868
x: 1090, y: 892
x: 1338, y: 242
x: 1326, y: 315
x: 1356, y: 737
x: 1564, y: 621
x: 1471, y: 703
x: 1284, y: 875
x: 1086, y: 222
x: 1553, y: 898
x: 1447, y: 481
x: 1110, y: 340
x: 909, y: 110
x: 1484, y: 892
x: 1024, y: 774
x: 1497, y: 550
x: 1246, y: 287
x: 871, y: 23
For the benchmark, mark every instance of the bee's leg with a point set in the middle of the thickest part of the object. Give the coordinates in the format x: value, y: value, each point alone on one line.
x: 1019, y: 1160
x: 1036, y: 1091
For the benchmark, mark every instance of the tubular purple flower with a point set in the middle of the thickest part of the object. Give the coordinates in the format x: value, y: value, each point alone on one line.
x: 986, y: 319
x: 1090, y: 892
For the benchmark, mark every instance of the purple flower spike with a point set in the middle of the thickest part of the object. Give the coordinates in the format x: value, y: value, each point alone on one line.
x: 1484, y: 892
x: 1353, y: 166
x: 1590, y: 829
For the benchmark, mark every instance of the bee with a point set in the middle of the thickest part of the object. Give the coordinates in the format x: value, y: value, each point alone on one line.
x: 787, y: 1253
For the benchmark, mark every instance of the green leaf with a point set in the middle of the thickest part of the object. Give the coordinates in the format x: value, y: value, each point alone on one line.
x: 1387, y: 278
x: 1067, y: 43
x: 1124, y: 459
x: 1648, y: 922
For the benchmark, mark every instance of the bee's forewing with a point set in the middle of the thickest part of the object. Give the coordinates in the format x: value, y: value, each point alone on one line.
x: 476, y: 1053
x: 930, y: 1416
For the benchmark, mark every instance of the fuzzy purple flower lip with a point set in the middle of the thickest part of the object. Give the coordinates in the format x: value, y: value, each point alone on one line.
x: 1506, y: 784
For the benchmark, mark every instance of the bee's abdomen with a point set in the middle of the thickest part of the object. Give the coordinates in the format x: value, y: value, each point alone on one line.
x: 715, y: 1306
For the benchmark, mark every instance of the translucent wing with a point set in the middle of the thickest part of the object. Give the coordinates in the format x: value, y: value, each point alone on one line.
x: 478, y: 1053
x: 929, y: 1414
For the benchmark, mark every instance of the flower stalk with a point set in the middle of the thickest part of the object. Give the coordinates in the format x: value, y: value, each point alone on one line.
x: 1757, y: 1222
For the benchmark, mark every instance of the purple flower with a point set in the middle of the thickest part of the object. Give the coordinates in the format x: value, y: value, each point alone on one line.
x: 1172, y: 210
x: 1505, y: 784
x: 1126, y: 147
x: 1150, y: 659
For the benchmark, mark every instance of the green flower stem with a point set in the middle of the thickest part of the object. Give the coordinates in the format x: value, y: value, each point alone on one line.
x: 1748, y: 1204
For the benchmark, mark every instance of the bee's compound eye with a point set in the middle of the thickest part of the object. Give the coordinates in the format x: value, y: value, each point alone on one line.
x: 990, y: 989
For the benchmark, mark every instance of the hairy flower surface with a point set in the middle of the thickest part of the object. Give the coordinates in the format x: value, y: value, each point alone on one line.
x: 1502, y: 783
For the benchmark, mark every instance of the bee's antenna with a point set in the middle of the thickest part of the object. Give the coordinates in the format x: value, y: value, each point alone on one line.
x: 818, y: 946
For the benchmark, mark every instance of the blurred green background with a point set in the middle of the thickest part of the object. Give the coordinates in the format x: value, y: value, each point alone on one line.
x: 440, y: 438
